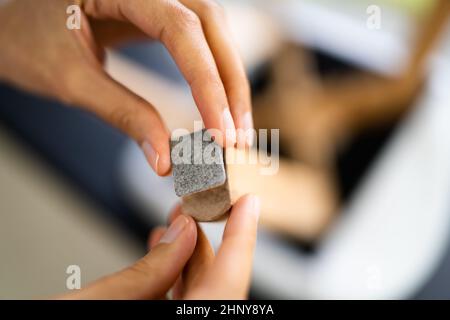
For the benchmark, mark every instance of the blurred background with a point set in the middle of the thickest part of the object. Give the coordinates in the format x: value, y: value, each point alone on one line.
x: 359, y: 209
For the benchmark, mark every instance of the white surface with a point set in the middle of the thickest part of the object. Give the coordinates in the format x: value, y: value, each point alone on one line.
x: 340, y: 27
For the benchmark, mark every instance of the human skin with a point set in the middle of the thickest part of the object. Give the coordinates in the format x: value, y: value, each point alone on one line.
x: 182, y: 259
x: 41, y: 55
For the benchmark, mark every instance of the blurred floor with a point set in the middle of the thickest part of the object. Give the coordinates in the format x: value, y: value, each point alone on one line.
x: 46, y: 225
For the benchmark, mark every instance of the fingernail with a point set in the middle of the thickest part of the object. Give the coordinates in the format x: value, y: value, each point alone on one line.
x: 174, y: 230
x: 230, y: 129
x: 248, y: 127
x: 151, y: 155
x: 253, y: 205
x: 256, y: 206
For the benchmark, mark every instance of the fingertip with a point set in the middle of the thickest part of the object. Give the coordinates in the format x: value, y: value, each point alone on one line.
x: 168, y: 173
x: 244, y: 217
x: 189, y: 237
x: 151, y: 155
x: 176, y: 212
x: 175, y: 230
x: 155, y: 236
x: 221, y: 128
x: 249, y: 204
x: 158, y: 156
x: 193, y: 229
x: 248, y: 127
x: 164, y: 164
x: 182, y: 231
x: 229, y: 128
x: 245, y: 130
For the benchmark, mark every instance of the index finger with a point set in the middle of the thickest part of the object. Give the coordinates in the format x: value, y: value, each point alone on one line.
x: 180, y: 30
x: 229, y: 64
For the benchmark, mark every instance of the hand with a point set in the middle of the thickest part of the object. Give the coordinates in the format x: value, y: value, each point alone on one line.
x: 40, y: 54
x: 182, y: 258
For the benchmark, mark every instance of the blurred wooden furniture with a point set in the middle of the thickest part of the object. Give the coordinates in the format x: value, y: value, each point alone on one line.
x: 317, y: 115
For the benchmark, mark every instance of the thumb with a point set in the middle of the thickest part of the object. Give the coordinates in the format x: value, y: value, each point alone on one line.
x: 153, y: 275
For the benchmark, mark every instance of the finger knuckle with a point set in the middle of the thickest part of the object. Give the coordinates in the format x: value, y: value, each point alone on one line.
x: 68, y: 85
x: 122, y: 118
x: 144, y: 269
x: 209, y: 77
x: 183, y: 18
x: 94, y: 7
x: 211, y: 8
